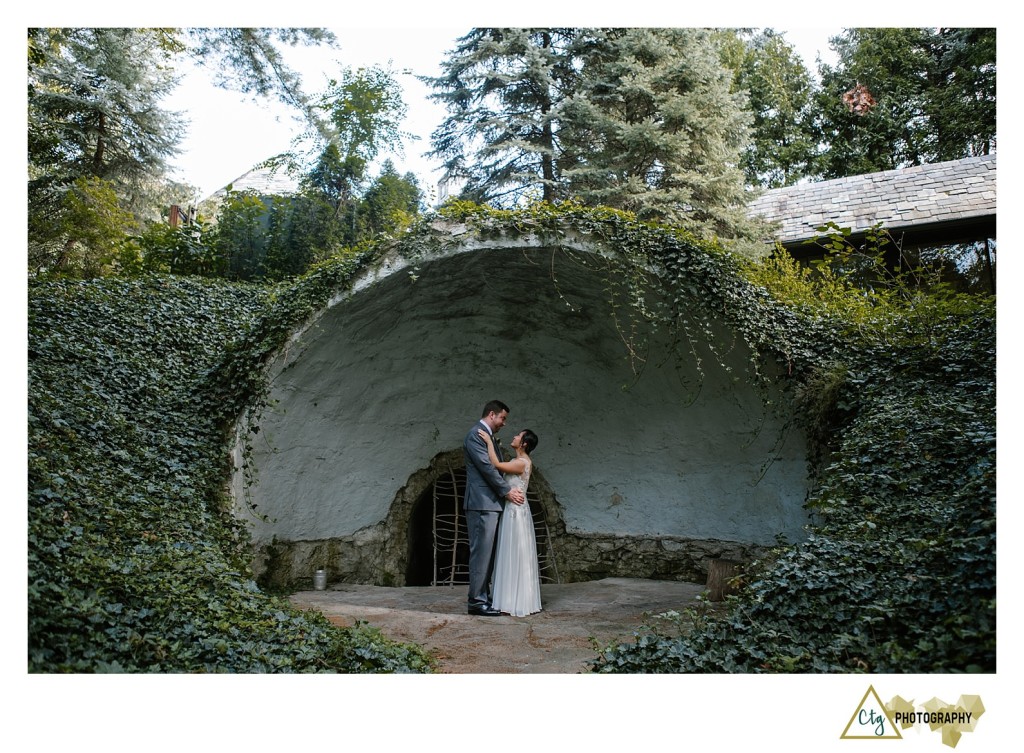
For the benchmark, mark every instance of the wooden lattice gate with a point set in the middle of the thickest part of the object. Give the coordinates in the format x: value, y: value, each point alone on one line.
x: 449, y: 542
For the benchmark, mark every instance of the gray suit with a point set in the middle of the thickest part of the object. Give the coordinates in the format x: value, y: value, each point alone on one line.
x: 485, y: 492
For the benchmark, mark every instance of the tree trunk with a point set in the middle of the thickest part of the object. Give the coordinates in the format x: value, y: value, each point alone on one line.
x: 720, y: 575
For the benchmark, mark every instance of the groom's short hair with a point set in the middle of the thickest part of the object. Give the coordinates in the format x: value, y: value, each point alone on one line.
x: 494, y: 406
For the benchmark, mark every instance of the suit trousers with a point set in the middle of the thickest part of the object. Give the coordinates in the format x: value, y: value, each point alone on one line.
x: 482, y: 528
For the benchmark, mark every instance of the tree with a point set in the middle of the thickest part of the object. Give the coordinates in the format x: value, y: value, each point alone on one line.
x: 658, y: 131
x: 88, y: 226
x: 780, y: 92
x: 390, y: 203
x: 637, y: 119
x: 926, y: 95
x: 503, y: 88
x: 276, y: 237
x: 363, y: 110
x: 94, y: 112
x: 249, y: 59
x: 240, y: 237
x: 961, y: 103
x: 301, y: 230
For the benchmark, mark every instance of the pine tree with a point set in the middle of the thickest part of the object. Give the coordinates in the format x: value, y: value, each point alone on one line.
x: 658, y: 131
x: 503, y: 89
x: 96, y: 127
x: 930, y: 96
x: 390, y: 202
x: 961, y: 101
x: 93, y: 113
x: 780, y: 90
x: 94, y: 108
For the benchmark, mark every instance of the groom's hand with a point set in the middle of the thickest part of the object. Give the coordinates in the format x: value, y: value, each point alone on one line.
x: 516, y: 496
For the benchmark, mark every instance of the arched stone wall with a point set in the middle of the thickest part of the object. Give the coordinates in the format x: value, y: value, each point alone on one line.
x: 654, y: 471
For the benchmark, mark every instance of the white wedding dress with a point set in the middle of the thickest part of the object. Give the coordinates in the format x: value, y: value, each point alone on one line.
x: 516, y: 583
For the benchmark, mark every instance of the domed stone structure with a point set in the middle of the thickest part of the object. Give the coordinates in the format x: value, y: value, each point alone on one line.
x: 656, y: 454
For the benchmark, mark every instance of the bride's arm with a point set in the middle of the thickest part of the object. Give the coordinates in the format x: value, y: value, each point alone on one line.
x: 516, y: 465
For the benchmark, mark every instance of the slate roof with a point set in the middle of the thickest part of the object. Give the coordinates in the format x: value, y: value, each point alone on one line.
x: 944, y: 193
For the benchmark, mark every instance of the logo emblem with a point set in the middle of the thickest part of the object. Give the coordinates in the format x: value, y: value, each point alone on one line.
x: 871, y: 720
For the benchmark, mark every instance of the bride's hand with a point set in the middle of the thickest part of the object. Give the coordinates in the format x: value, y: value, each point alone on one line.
x: 485, y: 435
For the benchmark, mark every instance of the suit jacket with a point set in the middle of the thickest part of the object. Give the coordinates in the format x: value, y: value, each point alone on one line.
x: 485, y: 486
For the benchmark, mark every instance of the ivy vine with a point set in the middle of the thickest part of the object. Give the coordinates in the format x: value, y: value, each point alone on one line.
x: 137, y: 389
x: 135, y: 561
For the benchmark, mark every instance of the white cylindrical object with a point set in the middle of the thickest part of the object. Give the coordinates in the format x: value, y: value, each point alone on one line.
x: 320, y: 580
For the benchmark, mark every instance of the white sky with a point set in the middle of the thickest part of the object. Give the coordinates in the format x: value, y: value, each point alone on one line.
x: 230, y: 133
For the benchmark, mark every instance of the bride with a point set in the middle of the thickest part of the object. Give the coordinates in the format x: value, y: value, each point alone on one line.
x: 516, y: 585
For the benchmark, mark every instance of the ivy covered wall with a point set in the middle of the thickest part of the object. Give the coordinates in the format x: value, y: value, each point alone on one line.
x: 137, y: 562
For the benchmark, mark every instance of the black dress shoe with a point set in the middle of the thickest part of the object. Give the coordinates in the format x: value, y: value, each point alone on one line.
x: 484, y: 612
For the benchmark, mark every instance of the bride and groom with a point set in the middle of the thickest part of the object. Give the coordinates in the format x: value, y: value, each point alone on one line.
x: 504, y: 576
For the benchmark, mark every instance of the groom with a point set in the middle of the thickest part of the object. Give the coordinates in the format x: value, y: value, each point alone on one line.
x: 485, y: 490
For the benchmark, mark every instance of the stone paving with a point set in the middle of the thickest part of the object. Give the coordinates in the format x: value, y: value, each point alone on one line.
x: 557, y: 640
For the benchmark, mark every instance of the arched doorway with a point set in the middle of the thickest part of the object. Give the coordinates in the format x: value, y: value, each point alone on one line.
x: 438, y: 545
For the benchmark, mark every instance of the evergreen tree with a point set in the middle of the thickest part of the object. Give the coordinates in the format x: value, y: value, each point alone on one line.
x: 249, y: 59
x: 902, y: 97
x: 961, y: 102
x: 364, y: 111
x: 93, y: 113
x: 780, y: 90
x: 390, y: 203
x: 659, y: 132
x: 503, y: 89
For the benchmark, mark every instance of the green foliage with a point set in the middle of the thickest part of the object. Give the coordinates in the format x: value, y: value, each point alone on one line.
x: 898, y: 572
x: 637, y: 119
x: 241, y: 235
x: 135, y: 561
x: 390, y: 203
x: 136, y: 564
x: 182, y: 250
x: 783, y: 146
x: 360, y: 116
x: 366, y: 110
x: 93, y: 115
x: 85, y: 234
x: 657, y: 131
x: 933, y: 92
x: 281, y: 237
x: 249, y: 59
x: 503, y: 88
x: 858, y: 285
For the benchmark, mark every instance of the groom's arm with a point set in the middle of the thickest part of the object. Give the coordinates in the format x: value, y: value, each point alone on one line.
x: 478, y: 456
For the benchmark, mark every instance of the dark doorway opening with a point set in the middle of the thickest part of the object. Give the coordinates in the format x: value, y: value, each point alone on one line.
x: 438, y: 544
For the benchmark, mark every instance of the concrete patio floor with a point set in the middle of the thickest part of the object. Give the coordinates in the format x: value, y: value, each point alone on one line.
x: 557, y: 640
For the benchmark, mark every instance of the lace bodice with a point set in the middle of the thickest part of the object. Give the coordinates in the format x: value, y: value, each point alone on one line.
x: 520, y: 480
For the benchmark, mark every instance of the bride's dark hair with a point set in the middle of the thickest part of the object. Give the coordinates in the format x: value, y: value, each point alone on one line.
x: 529, y: 441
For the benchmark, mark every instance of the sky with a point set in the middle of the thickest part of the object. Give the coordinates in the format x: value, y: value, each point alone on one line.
x: 229, y: 133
